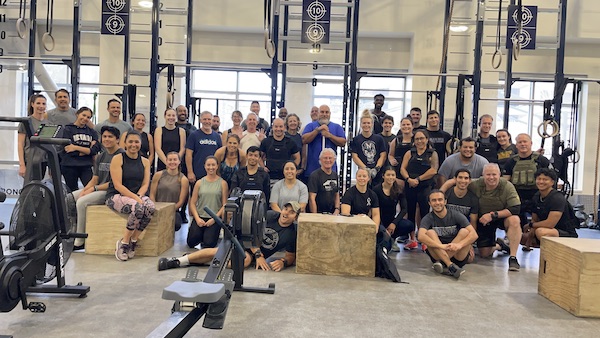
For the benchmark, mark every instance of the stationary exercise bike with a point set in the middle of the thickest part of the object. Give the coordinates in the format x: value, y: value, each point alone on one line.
x: 195, y: 298
x: 42, y: 231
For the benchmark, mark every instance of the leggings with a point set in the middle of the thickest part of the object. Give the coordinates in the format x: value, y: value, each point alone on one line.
x: 139, y: 213
x: 74, y: 173
x: 208, y: 236
x: 417, y: 195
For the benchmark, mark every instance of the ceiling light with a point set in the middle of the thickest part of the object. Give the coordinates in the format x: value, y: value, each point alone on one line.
x: 459, y: 28
x: 145, y: 4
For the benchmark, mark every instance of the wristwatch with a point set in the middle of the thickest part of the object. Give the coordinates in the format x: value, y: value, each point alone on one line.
x: 494, y: 215
x: 257, y: 254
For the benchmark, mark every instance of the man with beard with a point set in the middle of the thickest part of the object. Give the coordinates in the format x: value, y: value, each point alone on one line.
x: 216, y: 124
x: 415, y: 116
x: 319, y: 135
x: 369, y: 150
x: 182, y: 121
x: 437, y: 137
x: 280, y: 234
x: 466, y: 158
x: 499, y: 206
x: 323, y: 190
x: 378, y: 114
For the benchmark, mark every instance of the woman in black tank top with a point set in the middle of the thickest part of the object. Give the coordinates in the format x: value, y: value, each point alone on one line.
x: 401, y: 144
x: 126, y: 194
x: 168, y: 138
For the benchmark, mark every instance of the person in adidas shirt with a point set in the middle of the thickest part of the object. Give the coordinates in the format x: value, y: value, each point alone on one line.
x: 201, y: 144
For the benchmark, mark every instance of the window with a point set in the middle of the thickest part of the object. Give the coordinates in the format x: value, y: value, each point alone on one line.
x: 223, y: 91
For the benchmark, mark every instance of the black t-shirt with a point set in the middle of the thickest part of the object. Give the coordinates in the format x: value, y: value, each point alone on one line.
x: 377, y: 120
x: 277, y: 153
x: 438, y: 139
x: 360, y: 203
x: 368, y: 149
x: 277, y: 238
x: 326, y: 187
x: 555, y: 201
x: 467, y: 205
x: 446, y: 228
x: 257, y: 181
x: 388, y: 206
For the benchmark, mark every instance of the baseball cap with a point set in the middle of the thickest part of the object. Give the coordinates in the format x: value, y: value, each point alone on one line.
x: 294, y: 205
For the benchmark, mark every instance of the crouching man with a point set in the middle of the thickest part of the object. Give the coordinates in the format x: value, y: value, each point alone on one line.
x: 448, y: 235
x: 280, y: 234
x: 550, y: 209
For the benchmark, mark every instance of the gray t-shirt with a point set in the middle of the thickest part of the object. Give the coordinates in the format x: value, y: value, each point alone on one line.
x: 281, y: 195
x: 453, y: 163
x: 121, y: 125
x: 446, y: 228
x: 102, y: 165
x: 33, y: 154
x: 62, y: 117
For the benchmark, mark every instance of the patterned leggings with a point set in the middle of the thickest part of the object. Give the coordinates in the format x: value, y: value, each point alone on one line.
x: 139, y: 213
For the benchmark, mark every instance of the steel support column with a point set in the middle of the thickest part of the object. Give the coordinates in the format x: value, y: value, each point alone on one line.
x: 353, y: 80
x: 125, y: 98
x: 286, y: 24
x: 477, y: 65
x: 345, y: 170
x: 442, y: 93
x: 559, y: 75
x: 274, y: 62
x: 32, y: 35
x: 508, y: 81
x: 154, y: 71
x: 76, y: 55
x: 188, y: 54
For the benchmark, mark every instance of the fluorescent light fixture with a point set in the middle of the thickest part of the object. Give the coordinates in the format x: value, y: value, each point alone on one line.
x: 145, y: 4
x: 459, y: 28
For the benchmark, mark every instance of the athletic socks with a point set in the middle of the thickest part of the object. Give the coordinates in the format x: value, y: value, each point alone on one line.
x: 184, y: 260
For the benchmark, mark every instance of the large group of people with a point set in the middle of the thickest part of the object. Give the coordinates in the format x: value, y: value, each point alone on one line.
x: 410, y: 184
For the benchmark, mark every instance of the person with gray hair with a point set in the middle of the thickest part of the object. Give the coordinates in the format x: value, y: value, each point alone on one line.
x: 251, y: 136
x: 323, y: 188
x: 499, y: 207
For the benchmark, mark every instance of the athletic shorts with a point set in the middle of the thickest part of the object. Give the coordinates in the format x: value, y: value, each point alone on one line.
x: 563, y: 233
x: 453, y: 259
x: 487, y: 233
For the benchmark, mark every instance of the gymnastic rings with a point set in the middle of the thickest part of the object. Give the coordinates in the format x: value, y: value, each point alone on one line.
x: 22, y: 26
x: 47, y: 38
x: 543, y: 129
x: 516, y: 48
x: 497, y: 59
x: 452, y: 145
x: 575, y: 157
x: 269, y: 47
x: 269, y: 44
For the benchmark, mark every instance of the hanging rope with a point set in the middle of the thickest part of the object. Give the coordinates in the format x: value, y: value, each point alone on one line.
x: 47, y: 38
x: 444, y: 49
x: 269, y: 44
x: 497, y: 57
x: 595, y: 205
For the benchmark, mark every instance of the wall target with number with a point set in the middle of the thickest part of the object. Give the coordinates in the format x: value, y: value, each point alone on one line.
x: 115, y: 17
x: 316, y: 21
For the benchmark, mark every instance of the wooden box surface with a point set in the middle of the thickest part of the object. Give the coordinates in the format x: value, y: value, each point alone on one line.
x: 570, y: 274
x: 105, y: 226
x: 336, y: 245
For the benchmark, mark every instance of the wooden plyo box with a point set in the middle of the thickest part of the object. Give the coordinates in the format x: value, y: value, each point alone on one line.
x: 105, y: 226
x: 570, y: 274
x: 336, y: 245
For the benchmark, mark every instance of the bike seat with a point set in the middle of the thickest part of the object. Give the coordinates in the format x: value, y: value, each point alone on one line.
x: 199, y: 292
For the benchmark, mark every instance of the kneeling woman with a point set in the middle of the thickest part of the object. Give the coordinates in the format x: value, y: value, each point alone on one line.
x: 360, y: 200
x: 171, y: 185
x: 210, y: 191
x: 129, y: 180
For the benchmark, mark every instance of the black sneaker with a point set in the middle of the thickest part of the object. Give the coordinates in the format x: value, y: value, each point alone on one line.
x: 167, y: 263
x: 503, y: 246
x: 455, y: 271
x: 513, y: 264
x: 79, y: 247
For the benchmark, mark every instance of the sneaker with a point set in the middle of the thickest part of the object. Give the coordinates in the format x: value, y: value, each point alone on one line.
x: 455, y: 271
x: 503, y: 245
x: 167, y: 263
x: 438, y: 267
x: 526, y: 248
x: 395, y: 247
x: 423, y: 247
x: 131, y: 252
x: 513, y: 264
x: 411, y: 245
x: 79, y: 247
x: 121, y: 251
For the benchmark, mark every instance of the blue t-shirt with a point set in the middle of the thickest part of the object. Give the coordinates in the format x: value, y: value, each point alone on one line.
x: 202, y: 145
x: 315, y: 147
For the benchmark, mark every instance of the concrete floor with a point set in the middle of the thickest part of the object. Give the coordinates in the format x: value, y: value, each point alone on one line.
x: 125, y: 301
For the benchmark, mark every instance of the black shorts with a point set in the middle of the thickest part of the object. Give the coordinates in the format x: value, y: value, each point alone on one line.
x: 487, y: 233
x: 563, y: 233
x: 453, y: 259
